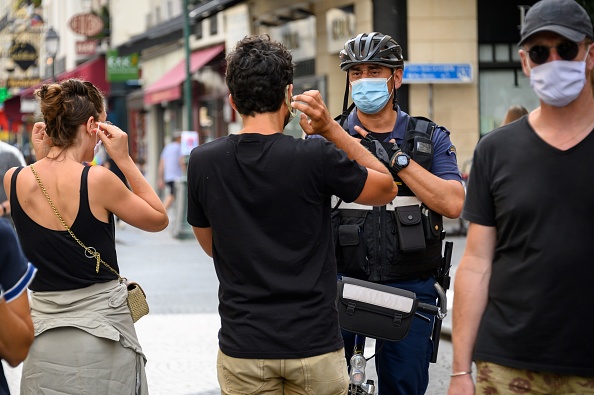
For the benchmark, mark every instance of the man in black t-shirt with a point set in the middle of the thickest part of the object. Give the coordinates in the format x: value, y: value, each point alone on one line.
x: 524, y: 285
x: 259, y: 204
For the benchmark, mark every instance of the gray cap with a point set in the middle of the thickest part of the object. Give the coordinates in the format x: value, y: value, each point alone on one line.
x: 564, y: 17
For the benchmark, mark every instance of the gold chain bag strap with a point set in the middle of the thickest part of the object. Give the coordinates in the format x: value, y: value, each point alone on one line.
x: 136, y: 297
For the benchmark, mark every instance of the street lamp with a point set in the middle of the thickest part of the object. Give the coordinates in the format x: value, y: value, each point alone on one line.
x: 52, y: 40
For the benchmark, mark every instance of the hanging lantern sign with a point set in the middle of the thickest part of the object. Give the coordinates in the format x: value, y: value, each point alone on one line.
x: 86, y: 24
x: 23, y: 54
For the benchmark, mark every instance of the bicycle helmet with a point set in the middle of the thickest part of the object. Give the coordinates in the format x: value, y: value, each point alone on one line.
x: 375, y: 48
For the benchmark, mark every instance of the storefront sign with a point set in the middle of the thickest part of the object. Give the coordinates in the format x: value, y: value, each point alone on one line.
x: 29, y: 106
x: 22, y: 82
x: 121, y: 68
x: 87, y: 47
x: 86, y: 24
x: 340, y: 26
x: 4, y: 94
x: 23, y: 54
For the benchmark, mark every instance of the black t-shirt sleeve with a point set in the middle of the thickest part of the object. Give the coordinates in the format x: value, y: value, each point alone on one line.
x: 479, y: 206
x: 344, y: 178
x: 196, y: 215
x: 15, y: 271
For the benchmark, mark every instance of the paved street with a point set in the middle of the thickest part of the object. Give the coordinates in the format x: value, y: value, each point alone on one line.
x: 179, y: 336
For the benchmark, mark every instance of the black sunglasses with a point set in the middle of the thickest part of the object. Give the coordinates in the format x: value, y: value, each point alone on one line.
x: 567, y: 50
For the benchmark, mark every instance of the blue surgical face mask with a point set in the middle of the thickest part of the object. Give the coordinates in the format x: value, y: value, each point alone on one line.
x: 370, y: 94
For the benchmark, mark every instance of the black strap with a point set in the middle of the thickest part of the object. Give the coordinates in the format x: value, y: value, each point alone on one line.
x: 345, y: 101
x: 421, y: 124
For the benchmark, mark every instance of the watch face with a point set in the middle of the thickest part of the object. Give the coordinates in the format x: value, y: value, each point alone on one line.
x: 402, y: 160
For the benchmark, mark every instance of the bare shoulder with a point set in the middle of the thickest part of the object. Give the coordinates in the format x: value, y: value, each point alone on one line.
x: 103, y: 178
x: 8, y: 175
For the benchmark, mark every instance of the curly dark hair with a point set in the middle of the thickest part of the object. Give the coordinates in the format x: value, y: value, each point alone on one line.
x: 65, y: 106
x: 258, y: 72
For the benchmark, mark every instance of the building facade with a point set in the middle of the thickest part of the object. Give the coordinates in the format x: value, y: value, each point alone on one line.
x: 461, y: 63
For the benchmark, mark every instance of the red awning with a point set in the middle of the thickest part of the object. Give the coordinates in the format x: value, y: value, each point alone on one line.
x: 92, y: 71
x: 12, y: 110
x: 168, y: 87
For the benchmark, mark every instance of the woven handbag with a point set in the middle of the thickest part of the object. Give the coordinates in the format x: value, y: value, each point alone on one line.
x: 136, y: 300
x: 136, y: 297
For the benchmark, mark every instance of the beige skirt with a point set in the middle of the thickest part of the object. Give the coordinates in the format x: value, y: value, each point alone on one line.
x: 85, y: 343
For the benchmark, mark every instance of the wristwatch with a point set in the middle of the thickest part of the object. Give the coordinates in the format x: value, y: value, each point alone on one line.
x: 399, y: 161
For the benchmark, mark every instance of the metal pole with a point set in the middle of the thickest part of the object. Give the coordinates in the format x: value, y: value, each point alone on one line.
x: 188, y: 81
x: 181, y: 229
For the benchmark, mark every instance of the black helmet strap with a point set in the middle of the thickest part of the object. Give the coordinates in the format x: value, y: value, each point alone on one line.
x: 345, y: 102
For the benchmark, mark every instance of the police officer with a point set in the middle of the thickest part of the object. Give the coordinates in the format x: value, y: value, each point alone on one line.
x: 400, y: 244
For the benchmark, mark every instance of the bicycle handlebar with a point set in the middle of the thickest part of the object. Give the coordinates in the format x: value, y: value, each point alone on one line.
x: 428, y: 308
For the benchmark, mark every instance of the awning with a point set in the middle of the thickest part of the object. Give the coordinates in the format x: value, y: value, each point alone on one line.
x: 92, y: 71
x: 168, y: 87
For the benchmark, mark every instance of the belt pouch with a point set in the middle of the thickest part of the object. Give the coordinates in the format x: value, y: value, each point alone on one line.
x: 432, y: 223
x: 410, y: 229
x: 352, y: 247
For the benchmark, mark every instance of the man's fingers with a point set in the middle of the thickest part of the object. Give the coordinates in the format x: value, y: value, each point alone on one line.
x: 305, y: 124
x: 361, y: 131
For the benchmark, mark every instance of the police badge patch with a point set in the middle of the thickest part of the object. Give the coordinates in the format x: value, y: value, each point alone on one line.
x: 451, y: 150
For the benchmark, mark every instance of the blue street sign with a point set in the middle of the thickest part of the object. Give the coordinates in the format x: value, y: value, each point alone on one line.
x: 437, y: 73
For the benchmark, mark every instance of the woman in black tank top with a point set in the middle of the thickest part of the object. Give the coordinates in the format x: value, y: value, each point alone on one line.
x: 75, y: 303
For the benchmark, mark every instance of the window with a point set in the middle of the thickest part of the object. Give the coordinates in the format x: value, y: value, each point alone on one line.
x: 213, y: 24
x: 198, y: 29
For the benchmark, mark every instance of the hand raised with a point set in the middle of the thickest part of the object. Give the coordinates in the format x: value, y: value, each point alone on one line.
x: 114, y: 139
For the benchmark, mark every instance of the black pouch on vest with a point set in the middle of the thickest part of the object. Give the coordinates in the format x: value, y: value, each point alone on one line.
x: 352, y: 248
x: 375, y: 310
x: 422, y: 152
x: 410, y: 228
x: 432, y: 223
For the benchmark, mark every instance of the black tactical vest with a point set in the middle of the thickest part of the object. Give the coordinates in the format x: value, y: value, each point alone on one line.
x: 402, y: 240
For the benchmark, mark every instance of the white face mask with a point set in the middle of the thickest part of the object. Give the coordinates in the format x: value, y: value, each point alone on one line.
x: 292, y: 111
x: 559, y: 82
x: 97, y: 144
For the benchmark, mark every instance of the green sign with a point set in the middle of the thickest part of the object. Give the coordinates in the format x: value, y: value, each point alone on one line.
x: 4, y: 95
x: 121, y: 68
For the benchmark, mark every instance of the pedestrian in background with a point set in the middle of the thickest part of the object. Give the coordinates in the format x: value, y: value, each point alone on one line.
x: 9, y: 157
x: 84, y: 334
x: 428, y: 181
x: 171, y: 166
x: 16, y: 327
x: 527, y: 268
x: 514, y: 113
x: 259, y: 204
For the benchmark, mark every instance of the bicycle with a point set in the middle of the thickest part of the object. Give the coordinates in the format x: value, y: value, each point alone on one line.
x: 357, y: 377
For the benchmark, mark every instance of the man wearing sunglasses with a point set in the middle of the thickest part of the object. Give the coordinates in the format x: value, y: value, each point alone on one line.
x: 523, y: 285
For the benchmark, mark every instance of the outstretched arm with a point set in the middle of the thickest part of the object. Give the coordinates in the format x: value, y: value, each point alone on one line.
x: 379, y: 188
